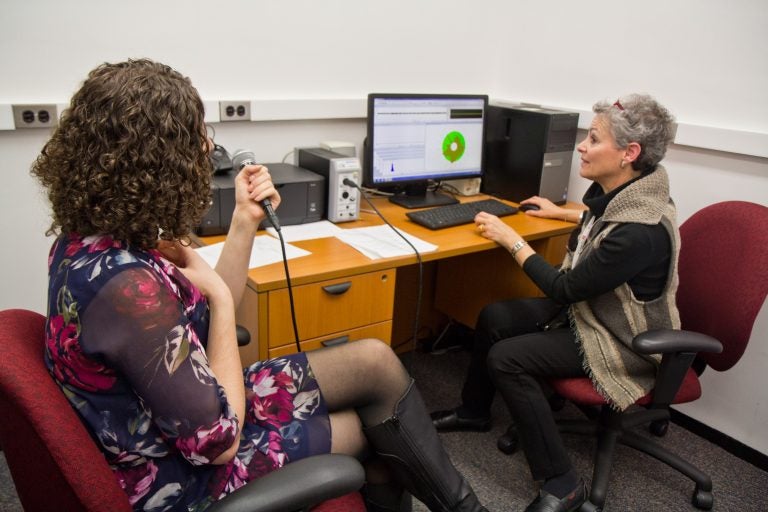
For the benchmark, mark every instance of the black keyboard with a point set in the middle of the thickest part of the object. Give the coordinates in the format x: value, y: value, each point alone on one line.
x: 456, y: 214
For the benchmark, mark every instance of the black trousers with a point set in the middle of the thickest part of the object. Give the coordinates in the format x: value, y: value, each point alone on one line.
x: 513, y: 354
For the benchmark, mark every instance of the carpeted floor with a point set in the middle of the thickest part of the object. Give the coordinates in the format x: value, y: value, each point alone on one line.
x: 639, y: 483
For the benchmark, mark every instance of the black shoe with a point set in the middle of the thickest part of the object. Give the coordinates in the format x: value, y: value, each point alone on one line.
x: 507, y: 442
x: 450, y: 421
x: 546, y: 502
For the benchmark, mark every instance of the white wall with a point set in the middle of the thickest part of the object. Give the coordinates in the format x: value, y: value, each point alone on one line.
x: 704, y: 59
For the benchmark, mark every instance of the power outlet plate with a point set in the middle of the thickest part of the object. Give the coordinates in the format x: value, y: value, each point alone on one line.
x: 35, y: 116
x: 235, y: 110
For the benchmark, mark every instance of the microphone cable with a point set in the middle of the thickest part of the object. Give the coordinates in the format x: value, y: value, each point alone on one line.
x: 419, y: 288
x: 240, y: 159
x: 289, y: 286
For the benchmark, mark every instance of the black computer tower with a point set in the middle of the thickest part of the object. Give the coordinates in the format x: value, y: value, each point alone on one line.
x: 528, y: 152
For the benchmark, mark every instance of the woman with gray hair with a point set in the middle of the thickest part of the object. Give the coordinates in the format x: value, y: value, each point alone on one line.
x: 621, y: 265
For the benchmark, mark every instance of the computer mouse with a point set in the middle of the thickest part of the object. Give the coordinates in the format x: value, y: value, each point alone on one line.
x: 528, y: 206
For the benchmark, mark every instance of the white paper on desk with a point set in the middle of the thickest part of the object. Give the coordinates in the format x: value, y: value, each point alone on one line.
x: 266, y: 250
x: 381, y: 242
x: 321, y: 229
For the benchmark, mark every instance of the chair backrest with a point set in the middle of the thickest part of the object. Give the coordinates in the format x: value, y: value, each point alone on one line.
x: 54, y: 462
x: 724, y: 275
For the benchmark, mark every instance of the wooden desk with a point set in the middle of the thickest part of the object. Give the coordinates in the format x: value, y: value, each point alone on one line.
x: 378, y: 296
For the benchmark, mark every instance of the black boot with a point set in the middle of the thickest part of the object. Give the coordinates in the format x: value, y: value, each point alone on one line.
x: 409, y: 444
x: 389, y: 497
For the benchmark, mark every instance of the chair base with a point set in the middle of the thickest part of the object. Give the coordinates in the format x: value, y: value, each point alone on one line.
x: 613, y: 427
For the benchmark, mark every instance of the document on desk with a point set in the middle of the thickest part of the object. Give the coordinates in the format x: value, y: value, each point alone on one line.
x: 309, y: 231
x: 382, y: 242
x: 266, y: 250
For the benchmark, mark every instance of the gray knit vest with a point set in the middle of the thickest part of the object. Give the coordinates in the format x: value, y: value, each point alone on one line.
x: 605, y: 325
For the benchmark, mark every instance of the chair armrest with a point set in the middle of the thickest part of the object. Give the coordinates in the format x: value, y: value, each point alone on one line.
x: 664, y: 341
x: 296, y: 485
x: 679, y: 348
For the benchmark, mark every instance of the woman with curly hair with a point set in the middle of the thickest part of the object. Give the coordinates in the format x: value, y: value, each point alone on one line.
x: 619, y: 277
x: 141, y: 331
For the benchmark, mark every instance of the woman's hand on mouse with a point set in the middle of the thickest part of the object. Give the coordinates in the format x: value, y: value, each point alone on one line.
x: 546, y: 209
x: 543, y: 207
x: 549, y: 210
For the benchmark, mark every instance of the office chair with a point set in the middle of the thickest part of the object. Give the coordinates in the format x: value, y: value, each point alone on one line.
x: 56, y: 465
x: 723, y: 272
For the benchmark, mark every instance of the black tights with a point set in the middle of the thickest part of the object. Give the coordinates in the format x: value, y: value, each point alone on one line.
x: 361, y: 383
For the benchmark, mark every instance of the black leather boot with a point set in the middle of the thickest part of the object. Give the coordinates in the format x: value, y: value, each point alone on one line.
x: 408, y: 443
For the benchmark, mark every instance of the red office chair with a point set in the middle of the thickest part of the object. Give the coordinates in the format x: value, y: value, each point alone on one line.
x: 723, y: 284
x: 56, y: 465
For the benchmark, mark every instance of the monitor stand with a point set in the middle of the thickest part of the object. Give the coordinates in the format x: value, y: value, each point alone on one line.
x: 418, y: 197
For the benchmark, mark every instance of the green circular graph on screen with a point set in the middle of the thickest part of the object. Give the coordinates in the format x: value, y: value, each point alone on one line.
x: 453, y: 146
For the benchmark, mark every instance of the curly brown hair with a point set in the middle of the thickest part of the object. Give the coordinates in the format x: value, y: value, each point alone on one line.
x: 129, y: 157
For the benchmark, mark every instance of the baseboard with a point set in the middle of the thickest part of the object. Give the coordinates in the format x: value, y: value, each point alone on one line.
x: 727, y: 443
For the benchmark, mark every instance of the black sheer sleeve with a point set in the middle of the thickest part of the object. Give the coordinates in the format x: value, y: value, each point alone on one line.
x: 137, y: 325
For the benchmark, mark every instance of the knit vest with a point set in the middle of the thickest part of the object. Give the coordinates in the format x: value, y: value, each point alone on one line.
x: 605, y: 325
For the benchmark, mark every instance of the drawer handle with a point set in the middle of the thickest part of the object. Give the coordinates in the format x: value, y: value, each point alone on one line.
x: 336, y: 341
x: 337, y: 289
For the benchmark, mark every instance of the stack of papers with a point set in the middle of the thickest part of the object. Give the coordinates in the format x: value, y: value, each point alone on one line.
x: 310, y: 231
x: 374, y: 242
x: 382, y: 242
x: 266, y: 250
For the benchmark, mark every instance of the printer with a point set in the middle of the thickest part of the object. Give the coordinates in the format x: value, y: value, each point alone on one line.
x: 218, y: 217
x: 302, y: 194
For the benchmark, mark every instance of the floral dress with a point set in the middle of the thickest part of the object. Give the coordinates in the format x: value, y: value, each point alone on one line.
x: 126, y: 339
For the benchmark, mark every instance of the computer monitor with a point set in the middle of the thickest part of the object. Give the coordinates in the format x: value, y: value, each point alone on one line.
x: 416, y: 139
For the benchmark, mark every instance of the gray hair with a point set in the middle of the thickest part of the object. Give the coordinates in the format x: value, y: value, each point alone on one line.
x: 639, y: 118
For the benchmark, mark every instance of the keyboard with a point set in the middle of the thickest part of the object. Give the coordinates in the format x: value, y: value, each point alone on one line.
x: 461, y: 213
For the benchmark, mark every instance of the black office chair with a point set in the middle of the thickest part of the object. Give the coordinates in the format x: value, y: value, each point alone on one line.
x: 723, y: 284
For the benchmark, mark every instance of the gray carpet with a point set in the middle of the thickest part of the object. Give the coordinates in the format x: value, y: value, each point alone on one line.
x: 639, y: 483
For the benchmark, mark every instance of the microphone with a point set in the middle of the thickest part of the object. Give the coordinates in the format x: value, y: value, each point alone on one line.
x: 240, y: 159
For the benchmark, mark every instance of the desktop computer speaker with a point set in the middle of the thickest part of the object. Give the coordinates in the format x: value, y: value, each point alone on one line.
x: 343, y: 203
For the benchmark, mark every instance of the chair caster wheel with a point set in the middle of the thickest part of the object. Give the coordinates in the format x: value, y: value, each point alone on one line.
x: 507, y: 442
x: 702, y: 500
x: 659, y: 428
x: 587, y: 506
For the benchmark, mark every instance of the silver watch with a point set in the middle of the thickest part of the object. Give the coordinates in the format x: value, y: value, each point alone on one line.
x: 518, y: 245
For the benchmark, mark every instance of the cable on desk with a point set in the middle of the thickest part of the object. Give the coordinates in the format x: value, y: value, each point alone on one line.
x: 447, y: 187
x: 351, y: 183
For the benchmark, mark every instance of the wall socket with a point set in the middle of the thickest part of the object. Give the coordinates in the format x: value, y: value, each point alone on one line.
x: 235, y: 110
x: 35, y: 116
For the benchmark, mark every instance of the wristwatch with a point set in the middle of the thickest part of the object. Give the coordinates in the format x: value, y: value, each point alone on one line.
x: 518, y: 245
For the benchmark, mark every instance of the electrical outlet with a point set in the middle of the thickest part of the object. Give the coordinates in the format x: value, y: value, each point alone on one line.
x: 35, y: 116
x: 235, y: 110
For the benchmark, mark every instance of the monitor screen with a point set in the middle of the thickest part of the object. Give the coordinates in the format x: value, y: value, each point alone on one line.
x: 414, y: 139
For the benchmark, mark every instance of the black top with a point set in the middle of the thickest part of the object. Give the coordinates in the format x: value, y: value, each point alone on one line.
x: 637, y: 254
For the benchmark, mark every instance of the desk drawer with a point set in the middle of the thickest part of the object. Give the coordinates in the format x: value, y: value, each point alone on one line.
x: 382, y: 331
x: 331, y: 306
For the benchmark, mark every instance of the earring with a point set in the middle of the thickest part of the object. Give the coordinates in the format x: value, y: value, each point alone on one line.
x: 622, y: 164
